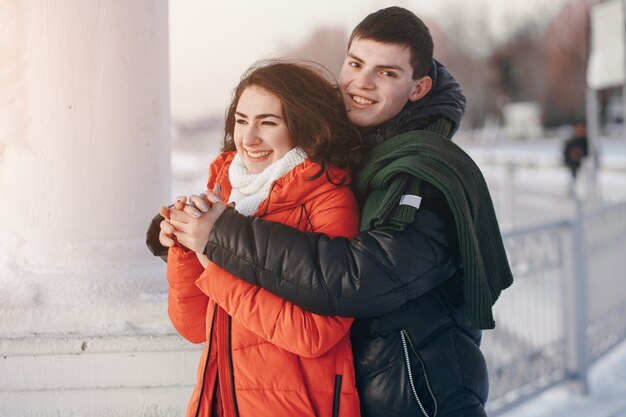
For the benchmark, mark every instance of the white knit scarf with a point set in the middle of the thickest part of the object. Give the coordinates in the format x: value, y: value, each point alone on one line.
x: 249, y: 190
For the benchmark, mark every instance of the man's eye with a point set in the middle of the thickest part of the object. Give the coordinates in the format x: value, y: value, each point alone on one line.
x: 354, y: 64
x: 390, y: 74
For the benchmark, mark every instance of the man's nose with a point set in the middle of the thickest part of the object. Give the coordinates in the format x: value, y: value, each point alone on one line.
x: 365, y: 80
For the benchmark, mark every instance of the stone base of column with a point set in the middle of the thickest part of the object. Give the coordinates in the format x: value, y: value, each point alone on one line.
x: 87, y: 334
x: 120, y: 376
x: 122, y: 289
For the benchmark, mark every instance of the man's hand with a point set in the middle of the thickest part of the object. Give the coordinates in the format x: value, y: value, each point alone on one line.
x: 193, y: 227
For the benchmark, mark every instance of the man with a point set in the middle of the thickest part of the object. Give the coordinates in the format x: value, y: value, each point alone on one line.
x: 421, y: 277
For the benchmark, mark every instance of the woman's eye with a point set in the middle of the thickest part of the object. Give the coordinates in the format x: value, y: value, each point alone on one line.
x: 241, y: 121
x: 268, y: 123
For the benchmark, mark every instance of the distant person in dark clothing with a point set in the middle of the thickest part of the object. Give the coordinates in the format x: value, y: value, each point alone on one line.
x: 576, y: 149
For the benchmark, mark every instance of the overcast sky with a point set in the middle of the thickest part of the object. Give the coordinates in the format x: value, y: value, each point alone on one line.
x: 212, y: 43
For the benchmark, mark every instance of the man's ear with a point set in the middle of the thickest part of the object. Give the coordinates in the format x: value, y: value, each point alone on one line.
x: 422, y: 87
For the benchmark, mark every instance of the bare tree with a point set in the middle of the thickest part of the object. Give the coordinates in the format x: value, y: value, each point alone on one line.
x: 567, y: 51
x: 472, y: 73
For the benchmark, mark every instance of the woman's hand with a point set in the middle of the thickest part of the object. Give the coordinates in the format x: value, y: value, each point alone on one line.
x: 166, y: 234
x: 193, y: 227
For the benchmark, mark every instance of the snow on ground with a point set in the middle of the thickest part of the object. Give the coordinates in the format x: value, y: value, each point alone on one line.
x: 606, y: 397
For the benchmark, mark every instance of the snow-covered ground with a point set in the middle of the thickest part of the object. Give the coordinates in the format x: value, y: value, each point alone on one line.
x: 606, y: 397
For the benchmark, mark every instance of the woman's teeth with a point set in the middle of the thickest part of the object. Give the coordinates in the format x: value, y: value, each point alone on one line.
x: 257, y: 155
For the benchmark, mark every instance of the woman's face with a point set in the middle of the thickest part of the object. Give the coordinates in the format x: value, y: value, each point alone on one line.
x: 261, y: 135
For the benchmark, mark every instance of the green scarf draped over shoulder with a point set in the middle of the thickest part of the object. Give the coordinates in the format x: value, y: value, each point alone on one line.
x: 397, y: 166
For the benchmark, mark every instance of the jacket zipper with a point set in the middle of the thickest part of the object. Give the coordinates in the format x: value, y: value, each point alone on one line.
x: 337, y: 395
x: 405, y: 337
x: 230, y: 367
x: 206, y: 363
x: 225, y: 364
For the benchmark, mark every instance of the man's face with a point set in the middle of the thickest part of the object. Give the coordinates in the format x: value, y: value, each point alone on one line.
x: 376, y: 81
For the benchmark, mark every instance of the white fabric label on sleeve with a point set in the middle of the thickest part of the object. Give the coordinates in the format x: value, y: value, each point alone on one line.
x: 411, y: 200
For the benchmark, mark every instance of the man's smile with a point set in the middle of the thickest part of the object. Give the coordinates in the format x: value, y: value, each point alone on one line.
x: 361, y: 100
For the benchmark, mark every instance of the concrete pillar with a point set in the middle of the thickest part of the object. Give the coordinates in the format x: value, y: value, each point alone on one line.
x: 84, y: 164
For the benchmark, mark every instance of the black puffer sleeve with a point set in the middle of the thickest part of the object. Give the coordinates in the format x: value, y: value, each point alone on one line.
x: 372, y: 274
x: 152, y: 238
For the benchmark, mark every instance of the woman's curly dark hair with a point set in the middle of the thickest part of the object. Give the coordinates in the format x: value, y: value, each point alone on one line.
x: 313, y: 111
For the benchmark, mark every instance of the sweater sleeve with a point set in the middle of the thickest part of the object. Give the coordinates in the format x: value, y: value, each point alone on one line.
x: 372, y: 274
x: 274, y: 319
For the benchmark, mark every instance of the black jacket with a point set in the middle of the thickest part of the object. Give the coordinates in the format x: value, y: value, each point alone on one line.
x: 405, y: 289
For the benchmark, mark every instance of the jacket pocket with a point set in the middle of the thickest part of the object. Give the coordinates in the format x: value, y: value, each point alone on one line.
x: 337, y: 395
x: 406, y: 344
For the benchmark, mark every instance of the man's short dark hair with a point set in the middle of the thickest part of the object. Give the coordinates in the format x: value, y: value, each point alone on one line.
x: 397, y: 25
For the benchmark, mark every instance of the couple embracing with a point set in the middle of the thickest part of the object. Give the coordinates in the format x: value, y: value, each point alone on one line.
x: 345, y: 255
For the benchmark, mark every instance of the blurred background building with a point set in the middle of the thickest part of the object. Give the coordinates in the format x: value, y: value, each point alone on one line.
x: 108, y: 109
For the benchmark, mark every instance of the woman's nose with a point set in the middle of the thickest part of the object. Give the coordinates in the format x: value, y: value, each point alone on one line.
x: 251, y: 136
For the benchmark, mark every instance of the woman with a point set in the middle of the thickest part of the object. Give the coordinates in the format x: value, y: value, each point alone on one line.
x: 287, y: 149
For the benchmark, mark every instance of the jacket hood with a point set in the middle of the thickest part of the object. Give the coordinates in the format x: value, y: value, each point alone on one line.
x: 445, y: 100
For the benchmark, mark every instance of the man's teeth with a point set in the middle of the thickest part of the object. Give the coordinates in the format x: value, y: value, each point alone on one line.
x: 257, y: 155
x: 362, y: 100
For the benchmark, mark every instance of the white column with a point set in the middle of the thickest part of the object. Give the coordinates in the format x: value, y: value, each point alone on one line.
x: 84, y: 165
x: 84, y: 161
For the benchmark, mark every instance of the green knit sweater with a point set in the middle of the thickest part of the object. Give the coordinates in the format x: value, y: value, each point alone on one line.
x: 397, y: 166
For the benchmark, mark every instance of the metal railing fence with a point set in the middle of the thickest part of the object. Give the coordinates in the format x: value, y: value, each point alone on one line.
x: 566, y: 307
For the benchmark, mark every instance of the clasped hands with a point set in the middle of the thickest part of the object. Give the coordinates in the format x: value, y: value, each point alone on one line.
x: 188, y: 222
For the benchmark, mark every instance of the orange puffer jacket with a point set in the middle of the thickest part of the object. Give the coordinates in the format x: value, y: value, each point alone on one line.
x: 268, y: 356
